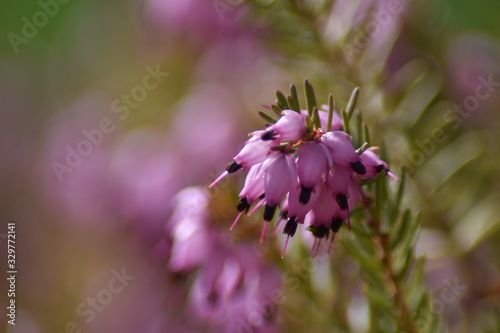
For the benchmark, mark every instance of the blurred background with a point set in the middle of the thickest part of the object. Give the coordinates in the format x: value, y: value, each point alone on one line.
x: 109, y: 109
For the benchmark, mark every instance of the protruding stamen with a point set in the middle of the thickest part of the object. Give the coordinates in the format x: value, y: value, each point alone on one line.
x: 257, y: 205
x: 284, y: 247
x: 263, y: 233
x: 313, y: 245
x: 330, y: 246
x: 390, y: 174
x: 236, y: 220
x: 315, y: 255
x: 224, y: 174
x: 275, y: 231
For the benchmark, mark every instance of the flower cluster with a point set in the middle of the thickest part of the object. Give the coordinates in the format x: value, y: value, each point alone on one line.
x: 312, y: 175
x: 231, y: 281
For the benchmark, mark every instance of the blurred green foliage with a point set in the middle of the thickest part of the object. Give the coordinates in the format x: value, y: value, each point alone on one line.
x: 407, y: 83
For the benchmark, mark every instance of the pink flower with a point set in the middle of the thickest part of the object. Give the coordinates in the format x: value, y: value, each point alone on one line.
x: 338, y: 180
x: 254, y: 151
x: 289, y: 127
x: 342, y: 151
x: 311, y: 166
x: 281, y: 175
x: 374, y: 165
x: 229, y: 279
x: 296, y: 209
x: 254, y: 184
x: 372, y: 162
x: 325, y: 208
x: 189, y: 227
x: 309, y: 173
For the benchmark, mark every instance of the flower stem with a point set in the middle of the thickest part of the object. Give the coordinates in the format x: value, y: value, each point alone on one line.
x: 387, y: 260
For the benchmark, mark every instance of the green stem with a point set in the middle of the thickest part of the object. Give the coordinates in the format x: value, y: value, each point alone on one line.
x: 388, y: 263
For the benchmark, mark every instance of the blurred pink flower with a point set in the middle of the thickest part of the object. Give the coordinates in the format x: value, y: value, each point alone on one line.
x: 474, y: 79
x: 76, y: 182
x: 126, y: 298
x: 205, y: 129
x: 144, y: 172
x: 199, y: 22
x: 231, y: 280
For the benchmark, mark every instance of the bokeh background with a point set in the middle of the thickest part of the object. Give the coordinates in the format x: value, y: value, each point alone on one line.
x: 109, y: 108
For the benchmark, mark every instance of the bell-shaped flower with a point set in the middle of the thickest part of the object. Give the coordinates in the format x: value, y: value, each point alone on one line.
x: 342, y: 151
x: 254, y: 184
x: 289, y: 127
x: 325, y: 208
x: 312, y: 164
x: 296, y: 209
x: 251, y: 192
x: 373, y: 164
x: 339, y: 180
x: 189, y: 229
x: 280, y: 177
x: 254, y: 151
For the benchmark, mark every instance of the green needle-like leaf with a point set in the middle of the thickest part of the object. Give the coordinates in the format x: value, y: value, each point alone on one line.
x: 364, y: 258
x: 352, y: 102
x: 281, y: 100
x: 276, y: 109
x: 403, y: 227
x: 310, y: 97
x: 315, y: 118
x: 383, y: 152
x: 399, y: 197
x: 408, y: 261
x: 331, y: 108
x: 267, y: 117
x: 295, y: 96
x: 358, y: 139
x: 366, y: 134
x: 380, y: 194
x: 292, y: 104
x: 381, y: 300
x: 309, y: 124
x: 345, y: 120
